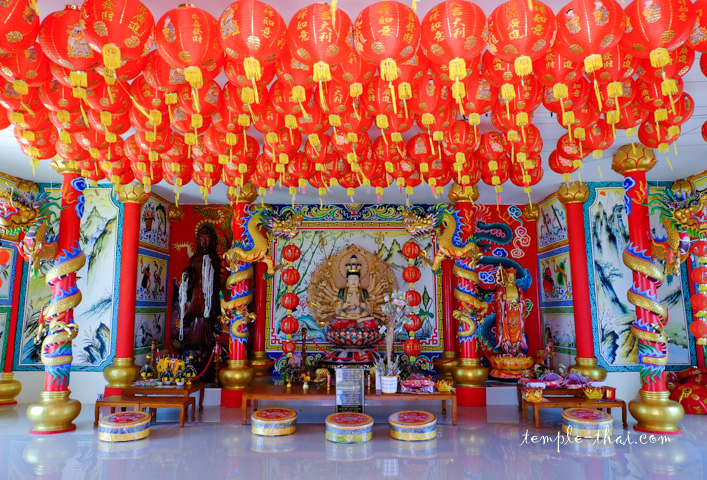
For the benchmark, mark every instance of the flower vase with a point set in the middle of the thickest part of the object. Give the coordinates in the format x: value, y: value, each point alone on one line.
x: 389, y: 383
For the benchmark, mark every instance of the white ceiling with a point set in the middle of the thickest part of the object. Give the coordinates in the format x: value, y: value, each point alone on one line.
x: 692, y: 148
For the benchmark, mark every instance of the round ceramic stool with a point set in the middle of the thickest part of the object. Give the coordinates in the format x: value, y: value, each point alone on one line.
x: 349, y: 428
x: 273, y: 422
x: 413, y: 425
x: 587, y: 423
x: 124, y: 426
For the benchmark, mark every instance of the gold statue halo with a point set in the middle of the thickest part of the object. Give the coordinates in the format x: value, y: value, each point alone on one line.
x: 330, y: 276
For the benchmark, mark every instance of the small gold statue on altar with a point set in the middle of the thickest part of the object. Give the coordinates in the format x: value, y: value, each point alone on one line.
x: 346, y: 294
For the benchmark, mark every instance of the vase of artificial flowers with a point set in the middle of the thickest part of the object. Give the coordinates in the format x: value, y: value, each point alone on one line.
x: 397, y: 310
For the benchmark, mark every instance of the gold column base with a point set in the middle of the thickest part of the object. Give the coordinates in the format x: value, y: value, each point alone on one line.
x: 469, y: 373
x: 445, y: 369
x: 237, y: 376
x: 122, y: 372
x: 260, y: 363
x: 656, y: 413
x: 54, y: 413
x: 9, y: 389
x: 588, y: 368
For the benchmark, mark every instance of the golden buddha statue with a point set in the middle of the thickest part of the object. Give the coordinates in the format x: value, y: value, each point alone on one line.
x: 510, y: 314
x: 346, y: 294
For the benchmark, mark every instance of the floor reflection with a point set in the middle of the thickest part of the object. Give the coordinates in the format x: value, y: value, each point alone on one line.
x: 216, y: 446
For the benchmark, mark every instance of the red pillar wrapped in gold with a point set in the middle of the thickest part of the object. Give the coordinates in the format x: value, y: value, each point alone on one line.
x: 55, y: 411
x: 654, y: 410
x: 258, y: 358
x: 531, y: 213
x: 236, y: 377
x: 573, y: 195
x: 469, y: 375
x: 123, y: 371
x: 450, y: 324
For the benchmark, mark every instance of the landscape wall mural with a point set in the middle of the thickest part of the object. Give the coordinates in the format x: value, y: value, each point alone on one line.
x: 552, y: 224
x: 98, y: 281
x: 606, y: 225
x: 154, y: 226
x: 4, y: 326
x: 151, y: 278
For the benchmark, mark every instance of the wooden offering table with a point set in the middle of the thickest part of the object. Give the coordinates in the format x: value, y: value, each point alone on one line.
x: 296, y: 394
x: 573, y: 402
x: 551, y: 392
x: 166, y: 391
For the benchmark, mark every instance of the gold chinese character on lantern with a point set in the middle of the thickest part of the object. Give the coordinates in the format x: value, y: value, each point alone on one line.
x: 514, y: 35
x: 385, y: 31
x: 266, y: 32
x: 304, y: 36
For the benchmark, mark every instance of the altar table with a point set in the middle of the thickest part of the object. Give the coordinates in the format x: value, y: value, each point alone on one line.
x: 297, y: 394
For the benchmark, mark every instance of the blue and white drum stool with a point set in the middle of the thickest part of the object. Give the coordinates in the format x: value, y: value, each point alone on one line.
x: 587, y: 423
x: 273, y: 422
x: 413, y: 425
x: 124, y: 426
x: 349, y: 428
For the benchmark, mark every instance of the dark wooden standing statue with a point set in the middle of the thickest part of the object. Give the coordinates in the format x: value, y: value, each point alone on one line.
x: 201, y: 315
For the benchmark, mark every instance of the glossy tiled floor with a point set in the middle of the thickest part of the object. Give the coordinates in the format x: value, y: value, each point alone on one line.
x: 487, y: 444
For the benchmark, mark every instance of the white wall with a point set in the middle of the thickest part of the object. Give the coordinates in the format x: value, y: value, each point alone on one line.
x: 84, y: 386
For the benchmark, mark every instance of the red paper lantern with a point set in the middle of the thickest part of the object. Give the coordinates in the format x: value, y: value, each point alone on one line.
x: 290, y: 276
x: 288, y: 347
x: 412, y: 347
x: 556, y: 67
x: 290, y: 301
x: 413, y: 298
x: 453, y: 34
x: 598, y: 136
x: 520, y: 31
x: 411, y: 274
x: 684, y: 108
x: 318, y: 36
x: 291, y: 253
x: 387, y: 33
x: 411, y: 250
x: 254, y: 34
x: 653, y: 136
x: 187, y: 38
x: 497, y: 71
x: 699, y: 275
x: 698, y: 301
x: 120, y: 29
x: 617, y: 65
x: 161, y: 75
x: 657, y: 24
x: 492, y: 146
x: 20, y: 25
x: 289, y: 325
x: 681, y: 60
x: 698, y: 37
x: 63, y: 40
x: 590, y: 27
x: 415, y: 323
x: 561, y: 165
x: 30, y: 66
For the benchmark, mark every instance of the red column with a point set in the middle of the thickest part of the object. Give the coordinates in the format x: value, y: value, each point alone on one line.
x: 469, y: 375
x: 123, y: 371
x: 573, y: 195
x: 450, y: 325
x: 55, y: 411
x: 531, y: 213
x: 258, y: 358
x: 654, y: 410
x: 236, y: 377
